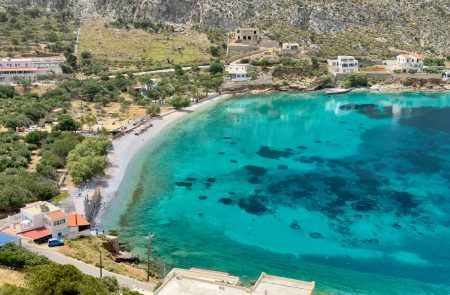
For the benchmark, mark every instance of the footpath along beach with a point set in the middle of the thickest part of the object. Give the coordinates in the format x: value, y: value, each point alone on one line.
x: 126, y: 147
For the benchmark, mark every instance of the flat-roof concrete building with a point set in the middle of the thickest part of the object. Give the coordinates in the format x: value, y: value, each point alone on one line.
x: 247, y: 35
x: 205, y: 282
x: 12, y: 69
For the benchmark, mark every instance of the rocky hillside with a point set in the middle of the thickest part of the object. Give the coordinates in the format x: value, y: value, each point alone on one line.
x: 421, y: 25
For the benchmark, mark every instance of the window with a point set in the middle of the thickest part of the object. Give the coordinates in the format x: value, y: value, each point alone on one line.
x: 59, y: 234
x: 249, y: 37
x: 59, y: 222
x: 255, y: 33
x: 245, y: 37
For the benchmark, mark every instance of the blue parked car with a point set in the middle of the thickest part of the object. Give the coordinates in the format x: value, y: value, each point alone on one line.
x: 55, y: 243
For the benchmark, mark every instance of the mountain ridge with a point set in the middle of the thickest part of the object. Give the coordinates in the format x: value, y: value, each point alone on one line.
x: 411, y: 24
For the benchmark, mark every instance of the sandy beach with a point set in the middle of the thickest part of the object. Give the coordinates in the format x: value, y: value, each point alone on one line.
x: 126, y: 147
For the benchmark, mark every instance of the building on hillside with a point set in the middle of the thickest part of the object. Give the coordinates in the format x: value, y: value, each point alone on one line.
x: 405, y: 63
x: 290, y: 48
x: 42, y: 220
x: 78, y: 225
x: 239, y: 72
x: 446, y: 75
x: 32, y: 215
x: 206, y: 282
x: 56, y: 223
x: 13, y: 69
x: 343, y: 64
x: 250, y: 36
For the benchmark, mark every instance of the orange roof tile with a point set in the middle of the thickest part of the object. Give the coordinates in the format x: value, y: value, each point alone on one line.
x: 37, y: 233
x: 415, y: 55
x: 75, y: 219
x: 56, y: 215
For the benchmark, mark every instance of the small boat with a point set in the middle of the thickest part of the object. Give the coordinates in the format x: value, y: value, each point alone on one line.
x: 338, y: 91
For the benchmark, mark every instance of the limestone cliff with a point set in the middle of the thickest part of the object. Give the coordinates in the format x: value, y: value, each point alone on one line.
x: 412, y: 22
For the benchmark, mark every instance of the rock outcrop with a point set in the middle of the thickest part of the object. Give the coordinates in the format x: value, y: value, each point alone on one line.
x: 422, y: 22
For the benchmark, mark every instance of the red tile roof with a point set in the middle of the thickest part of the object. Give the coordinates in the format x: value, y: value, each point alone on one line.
x: 414, y: 55
x: 37, y: 233
x: 75, y: 219
x: 17, y: 69
x: 56, y: 215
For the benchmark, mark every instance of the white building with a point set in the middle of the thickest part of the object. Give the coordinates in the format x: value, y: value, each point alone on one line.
x: 343, y: 64
x: 405, y: 63
x: 12, y: 69
x: 239, y: 72
x: 32, y: 215
x: 42, y: 220
x: 78, y: 225
x: 446, y: 75
x: 410, y: 62
x: 290, y: 48
x: 56, y: 223
x: 206, y: 282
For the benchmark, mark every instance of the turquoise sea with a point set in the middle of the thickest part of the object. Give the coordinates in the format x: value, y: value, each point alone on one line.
x: 351, y: 191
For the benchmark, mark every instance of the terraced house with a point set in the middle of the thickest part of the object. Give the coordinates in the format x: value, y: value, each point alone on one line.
x: 13, y: 69
x: 343, y: 64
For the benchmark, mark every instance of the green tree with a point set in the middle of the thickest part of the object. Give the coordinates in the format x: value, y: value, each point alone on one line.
x: 88, y: 159
x: 35, y: 137
x: 180, y: 101
x: 7, y: 91
x: 215, y: 51
x: 66, y: 123
x: 264, y: 63
x: 89, y: 120
x: 179, y: 70
x: 216, y: 67
x: 153, y: 109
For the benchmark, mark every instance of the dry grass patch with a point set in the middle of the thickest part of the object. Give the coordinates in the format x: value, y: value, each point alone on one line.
x: 135, y: 48
x: 12, y: 277
x: 87, y: 250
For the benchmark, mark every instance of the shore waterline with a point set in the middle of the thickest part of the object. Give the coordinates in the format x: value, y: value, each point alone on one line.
x: 296, y: 185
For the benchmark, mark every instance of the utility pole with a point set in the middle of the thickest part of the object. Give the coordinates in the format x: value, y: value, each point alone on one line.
x: 101, y: 265
x: 150, y: 236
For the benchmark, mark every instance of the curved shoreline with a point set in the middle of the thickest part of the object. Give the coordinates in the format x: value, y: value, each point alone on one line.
x: 128, y: 147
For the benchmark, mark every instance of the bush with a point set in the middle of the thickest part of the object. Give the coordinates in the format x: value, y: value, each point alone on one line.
x: 430, y: 61
x: 355, y: 80
x: 153, y: 109
x: 17, y: 257
x: 432, y: 70
x: 412, y: 71
x: 64, y: 279
x: 7, y: 91
x: 216, y: 67
x: 180, y: 101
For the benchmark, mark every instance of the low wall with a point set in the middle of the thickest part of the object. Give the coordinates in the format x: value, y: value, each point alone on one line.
x: 238, y: 48
x: 418, y: 76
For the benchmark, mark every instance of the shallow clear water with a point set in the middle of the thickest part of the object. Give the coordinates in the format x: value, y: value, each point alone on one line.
x: 351, y: 191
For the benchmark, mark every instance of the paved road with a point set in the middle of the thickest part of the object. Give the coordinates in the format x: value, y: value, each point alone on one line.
x: 145, y: 288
